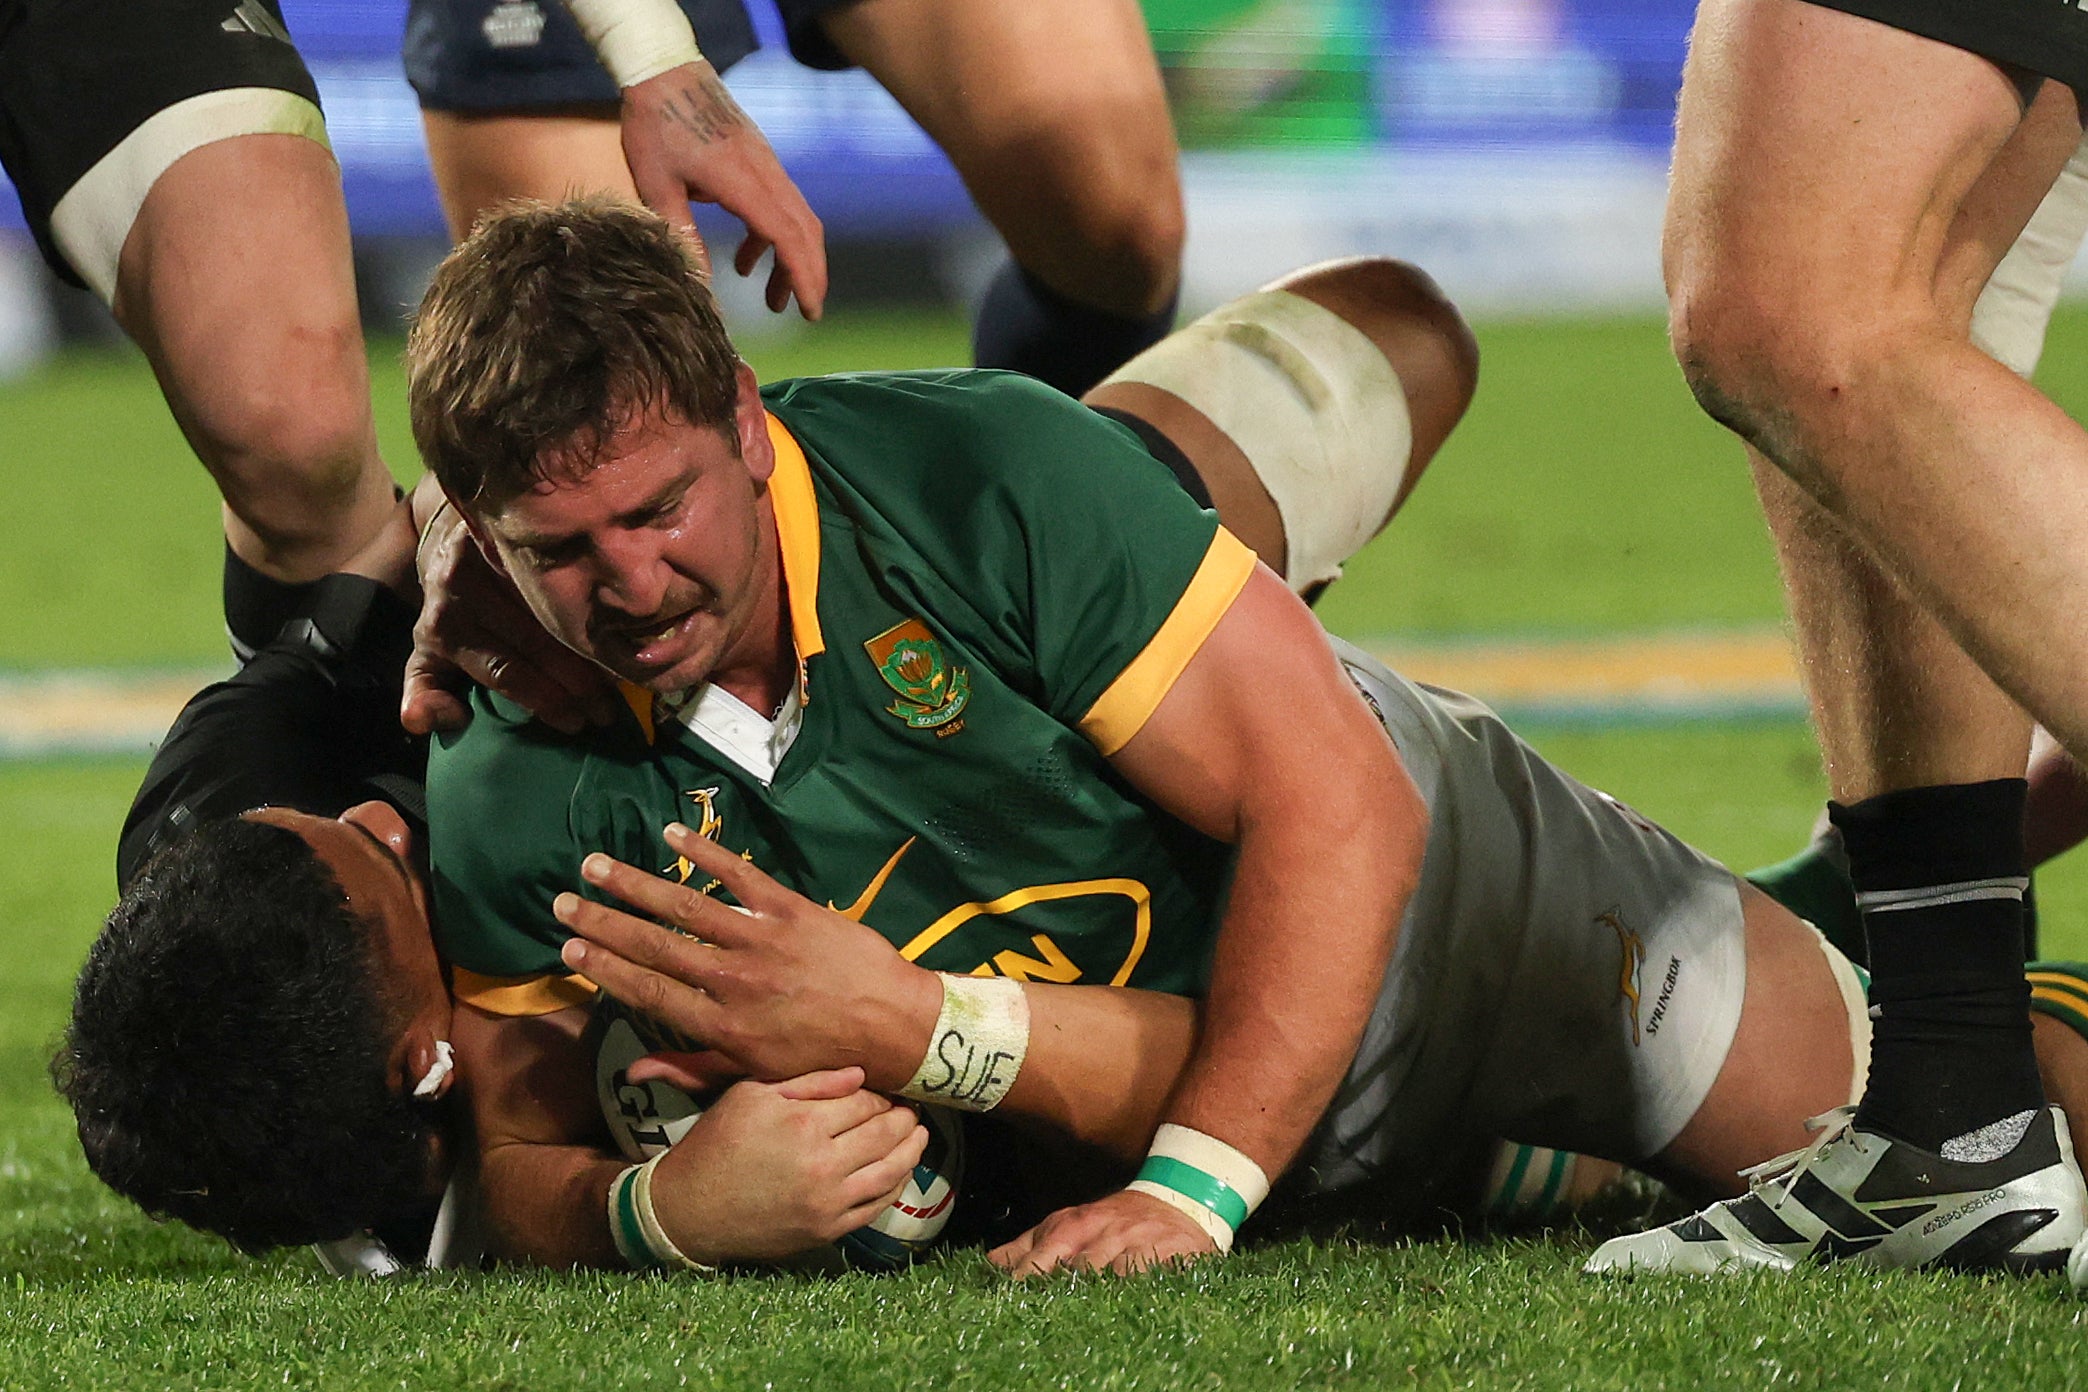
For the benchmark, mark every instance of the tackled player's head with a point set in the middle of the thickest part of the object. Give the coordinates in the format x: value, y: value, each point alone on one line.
x: 236, y: 1040
x: 550, y: 328
x: 574, y: 392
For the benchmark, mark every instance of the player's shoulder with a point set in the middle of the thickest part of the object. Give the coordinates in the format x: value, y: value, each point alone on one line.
x: 505, y: 762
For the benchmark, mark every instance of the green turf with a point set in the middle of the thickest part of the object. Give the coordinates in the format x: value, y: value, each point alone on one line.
x: 1583, y: 494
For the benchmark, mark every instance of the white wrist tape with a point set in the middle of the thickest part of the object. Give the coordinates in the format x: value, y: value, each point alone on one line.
x: 977, y: 1046
x: 636, y: 39
x: 635, y: 1227
x: 1203, y: 1177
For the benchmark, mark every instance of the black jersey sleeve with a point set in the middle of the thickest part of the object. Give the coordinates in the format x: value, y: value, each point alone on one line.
x: 311, y: 722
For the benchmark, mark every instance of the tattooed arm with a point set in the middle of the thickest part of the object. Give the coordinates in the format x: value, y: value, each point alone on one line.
x: 686, y: 141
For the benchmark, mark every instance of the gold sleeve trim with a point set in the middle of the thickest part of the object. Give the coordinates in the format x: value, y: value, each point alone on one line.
x: 1122, y: 710
x: 797, y: 536
x: 520, y: 995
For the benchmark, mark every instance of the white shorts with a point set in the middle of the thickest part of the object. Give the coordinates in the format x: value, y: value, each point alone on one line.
x: 1568, y: 974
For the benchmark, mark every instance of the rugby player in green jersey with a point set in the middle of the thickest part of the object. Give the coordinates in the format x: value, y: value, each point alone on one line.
x: 916, y: 680
x: 1397, y: 319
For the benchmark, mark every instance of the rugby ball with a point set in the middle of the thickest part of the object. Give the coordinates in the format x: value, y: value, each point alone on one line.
x: 647, y: 1118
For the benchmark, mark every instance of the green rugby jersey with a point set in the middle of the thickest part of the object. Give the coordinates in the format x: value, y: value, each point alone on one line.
x: 990, y: 589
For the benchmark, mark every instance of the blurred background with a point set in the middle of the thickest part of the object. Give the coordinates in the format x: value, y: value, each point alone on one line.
x: 1514, y: 147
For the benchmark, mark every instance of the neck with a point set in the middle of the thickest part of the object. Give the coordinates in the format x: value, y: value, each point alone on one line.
x: 762, y: 663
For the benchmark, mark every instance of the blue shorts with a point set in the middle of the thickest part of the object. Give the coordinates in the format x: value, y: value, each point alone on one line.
x: 506, y: 55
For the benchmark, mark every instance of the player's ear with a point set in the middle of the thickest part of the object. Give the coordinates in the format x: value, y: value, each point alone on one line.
x: 382, y: 821
x: 750, y: 424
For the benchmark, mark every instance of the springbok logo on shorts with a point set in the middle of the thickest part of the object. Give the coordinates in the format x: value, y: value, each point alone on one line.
x: 1634, y: 958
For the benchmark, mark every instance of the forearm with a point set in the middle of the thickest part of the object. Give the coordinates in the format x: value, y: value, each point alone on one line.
x: 1102, y: 1062
x: 547, y: 1205
x: 1300, y: 960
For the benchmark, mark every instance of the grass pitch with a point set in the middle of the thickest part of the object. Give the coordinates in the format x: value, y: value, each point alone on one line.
x: 1583, y: 495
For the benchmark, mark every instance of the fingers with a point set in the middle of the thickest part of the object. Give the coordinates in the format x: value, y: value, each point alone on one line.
x: 696, y: 1073
x: 1124, y: 1233
x: 828, y: 1082
x: 748, y: 882
x: 666, y: 997
x: 669, y: 900
x: 428, y: 705
x: 874, y: 1186
x: 750, y: 252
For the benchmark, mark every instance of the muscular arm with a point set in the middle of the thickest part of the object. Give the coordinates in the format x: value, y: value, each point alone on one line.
x: 1263, y: 742
x: 794, y: 986
x: 543, y: 1168
x: 768, y: 1171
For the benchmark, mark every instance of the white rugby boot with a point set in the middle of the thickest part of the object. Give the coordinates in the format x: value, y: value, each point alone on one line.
x: 1863, y: 1196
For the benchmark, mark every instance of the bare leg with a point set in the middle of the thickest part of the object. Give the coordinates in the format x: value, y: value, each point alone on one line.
x: 236, y: 280
x: 1055, y: 116
x: 1790, y: 1059
x: 1821, y: 151
x: 481, y: 159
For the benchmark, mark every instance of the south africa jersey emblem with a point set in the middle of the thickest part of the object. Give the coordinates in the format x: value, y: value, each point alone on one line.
x: 932, y: 692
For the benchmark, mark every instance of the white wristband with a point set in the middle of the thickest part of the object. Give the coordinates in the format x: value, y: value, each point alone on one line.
x: 977, y: 1046
x: 1203, y: 1177
x: 635, y: 1227
x: 636, y: 39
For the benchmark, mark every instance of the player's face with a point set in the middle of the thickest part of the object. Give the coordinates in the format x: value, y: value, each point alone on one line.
x: 368, y: 850
x: 656, y: 562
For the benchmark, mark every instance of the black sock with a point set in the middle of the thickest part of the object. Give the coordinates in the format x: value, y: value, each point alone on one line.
x: 1027, y: 326
x: 1939, y: 875
x: 257, y: 607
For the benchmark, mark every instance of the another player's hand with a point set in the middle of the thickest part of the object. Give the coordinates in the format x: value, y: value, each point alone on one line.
x: 1125, y: 1232
x: 474, y: 627
x: 783, y: 988
x: 774, y: 1169
x: 687, y: 141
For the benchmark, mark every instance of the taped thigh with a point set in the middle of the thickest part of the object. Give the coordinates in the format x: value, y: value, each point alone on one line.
x: 92, y: 221
x: 1311, y: 402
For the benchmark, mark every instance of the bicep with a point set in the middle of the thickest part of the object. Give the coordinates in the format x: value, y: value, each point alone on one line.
x: 1262, y: 713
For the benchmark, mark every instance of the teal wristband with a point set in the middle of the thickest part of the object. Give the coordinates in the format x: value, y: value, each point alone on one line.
x: 1196, y: 1185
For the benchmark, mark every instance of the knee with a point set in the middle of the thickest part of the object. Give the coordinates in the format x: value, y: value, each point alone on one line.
x: 1414, y: 324
x: 288, y: 435
x: 1090, y: 201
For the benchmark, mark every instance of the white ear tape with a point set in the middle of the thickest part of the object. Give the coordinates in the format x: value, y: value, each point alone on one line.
x: 444, y: 1065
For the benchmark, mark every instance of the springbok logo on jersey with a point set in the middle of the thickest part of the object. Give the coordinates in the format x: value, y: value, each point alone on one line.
x: 932, y: 691
x: 1634, y: 958
x: 709, y: 822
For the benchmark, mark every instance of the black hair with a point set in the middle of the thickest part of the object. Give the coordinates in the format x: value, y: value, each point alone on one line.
x: 229, y: 1047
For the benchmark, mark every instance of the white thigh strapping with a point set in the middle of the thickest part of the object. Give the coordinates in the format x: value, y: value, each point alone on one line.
x: 1311, y: 402
x: 1856, y: 1001
x: 93, y: 219
x: 2008, y: 323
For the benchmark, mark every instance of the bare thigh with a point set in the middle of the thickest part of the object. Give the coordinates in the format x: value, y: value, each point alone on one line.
x: 1790, y: 1059
x: 481, y: 160
x: 1055, y: 116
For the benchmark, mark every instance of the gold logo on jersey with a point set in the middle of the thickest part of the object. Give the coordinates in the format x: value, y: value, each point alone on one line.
x: 709, y: 822
x: 932, y: 691
x: 1633, y: 960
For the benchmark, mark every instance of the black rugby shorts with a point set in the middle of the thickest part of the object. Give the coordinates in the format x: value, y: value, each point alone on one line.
x: 78, y: 76
x: 2045, y: 38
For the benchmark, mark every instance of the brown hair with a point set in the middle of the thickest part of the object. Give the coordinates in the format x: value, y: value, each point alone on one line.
x: 546, y: 331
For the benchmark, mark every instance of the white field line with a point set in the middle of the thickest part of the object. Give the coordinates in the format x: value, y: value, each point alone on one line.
x: 1624, y: 678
